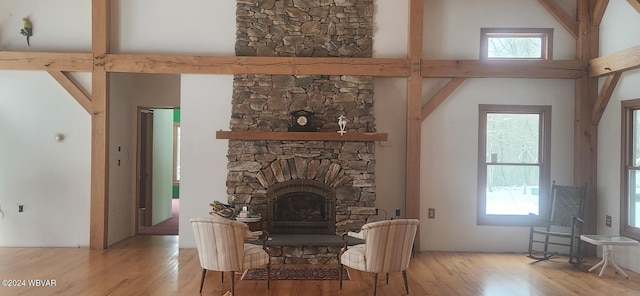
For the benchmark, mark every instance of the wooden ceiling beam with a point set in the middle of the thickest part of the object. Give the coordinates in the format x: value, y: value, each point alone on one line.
x: 503, y: 69
x: 635, y: 4
x: 73, y: 89
x: 229, y: 65
x: 620, y: 61
x: 45, y: 61
x: 176, y: 64
x: 562, y: 16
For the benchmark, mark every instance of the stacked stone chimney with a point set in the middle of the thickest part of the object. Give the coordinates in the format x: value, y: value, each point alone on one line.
x: 303, y: 28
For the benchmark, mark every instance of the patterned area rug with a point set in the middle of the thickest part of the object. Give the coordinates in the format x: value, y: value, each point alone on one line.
x: 295, y: 274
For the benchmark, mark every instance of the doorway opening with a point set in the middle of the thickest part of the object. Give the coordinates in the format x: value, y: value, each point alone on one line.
x: 158, y: 171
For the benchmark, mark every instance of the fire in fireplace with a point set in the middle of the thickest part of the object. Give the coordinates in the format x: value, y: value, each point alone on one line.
x: 301, y: 206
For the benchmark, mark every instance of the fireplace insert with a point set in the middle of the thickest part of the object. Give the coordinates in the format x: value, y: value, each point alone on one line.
x: 301, y: 207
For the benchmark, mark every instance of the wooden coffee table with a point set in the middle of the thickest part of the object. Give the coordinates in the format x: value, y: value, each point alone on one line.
x: 607, y: 242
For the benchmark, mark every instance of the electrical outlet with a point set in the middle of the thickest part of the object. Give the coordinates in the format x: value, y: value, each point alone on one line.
x: 607, y: 221
x: 431, y: 213
x: 398, y: 213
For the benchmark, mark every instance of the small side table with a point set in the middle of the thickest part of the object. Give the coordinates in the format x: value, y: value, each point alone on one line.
x: 255, y: 226
x: 607, y: 242
x: 253, y: 222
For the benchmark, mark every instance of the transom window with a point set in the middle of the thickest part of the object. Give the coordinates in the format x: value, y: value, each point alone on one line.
x: 529, y: 44
x: 513, y: 163
x: 630, y: 191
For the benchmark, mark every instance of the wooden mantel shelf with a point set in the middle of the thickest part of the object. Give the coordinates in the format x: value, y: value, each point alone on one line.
x: 301, y: 136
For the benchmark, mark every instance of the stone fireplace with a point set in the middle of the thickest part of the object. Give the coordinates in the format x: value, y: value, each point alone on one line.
x: 338, y: 177
x: 323, y: 187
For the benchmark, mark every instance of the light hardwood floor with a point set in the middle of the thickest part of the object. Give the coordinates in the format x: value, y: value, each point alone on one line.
x: 153, y: 265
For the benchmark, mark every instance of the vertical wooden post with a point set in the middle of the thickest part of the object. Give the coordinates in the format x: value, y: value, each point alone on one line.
x: 414, y: 113
x: 99, y: 126
x: 585, y: 130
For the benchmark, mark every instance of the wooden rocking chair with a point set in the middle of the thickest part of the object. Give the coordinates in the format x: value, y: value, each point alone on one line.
x: 562, y: 226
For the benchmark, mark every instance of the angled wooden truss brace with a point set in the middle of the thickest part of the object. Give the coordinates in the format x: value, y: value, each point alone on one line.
x: 441, y: 96
x: 635, y: 4
x: 598, y: 12
x: 562, y: 16
x: 604, y: 96
x: 73, y: 90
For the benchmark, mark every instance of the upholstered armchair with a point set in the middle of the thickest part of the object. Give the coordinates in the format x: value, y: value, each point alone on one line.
x: 387, y: 248
x: 221, y: 247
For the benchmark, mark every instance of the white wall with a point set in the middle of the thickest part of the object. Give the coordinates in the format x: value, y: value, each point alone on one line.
x: 390, y: 41
x: 170, y: 26
x: 450, y: 155
x: 619, y: 20
x: 390, y: 111
x: 121, y: 158
x: 452, y: 27
x: 61, y: 25
x: 390, y: 29
x: 50, y: 178
x: 205, y: 108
